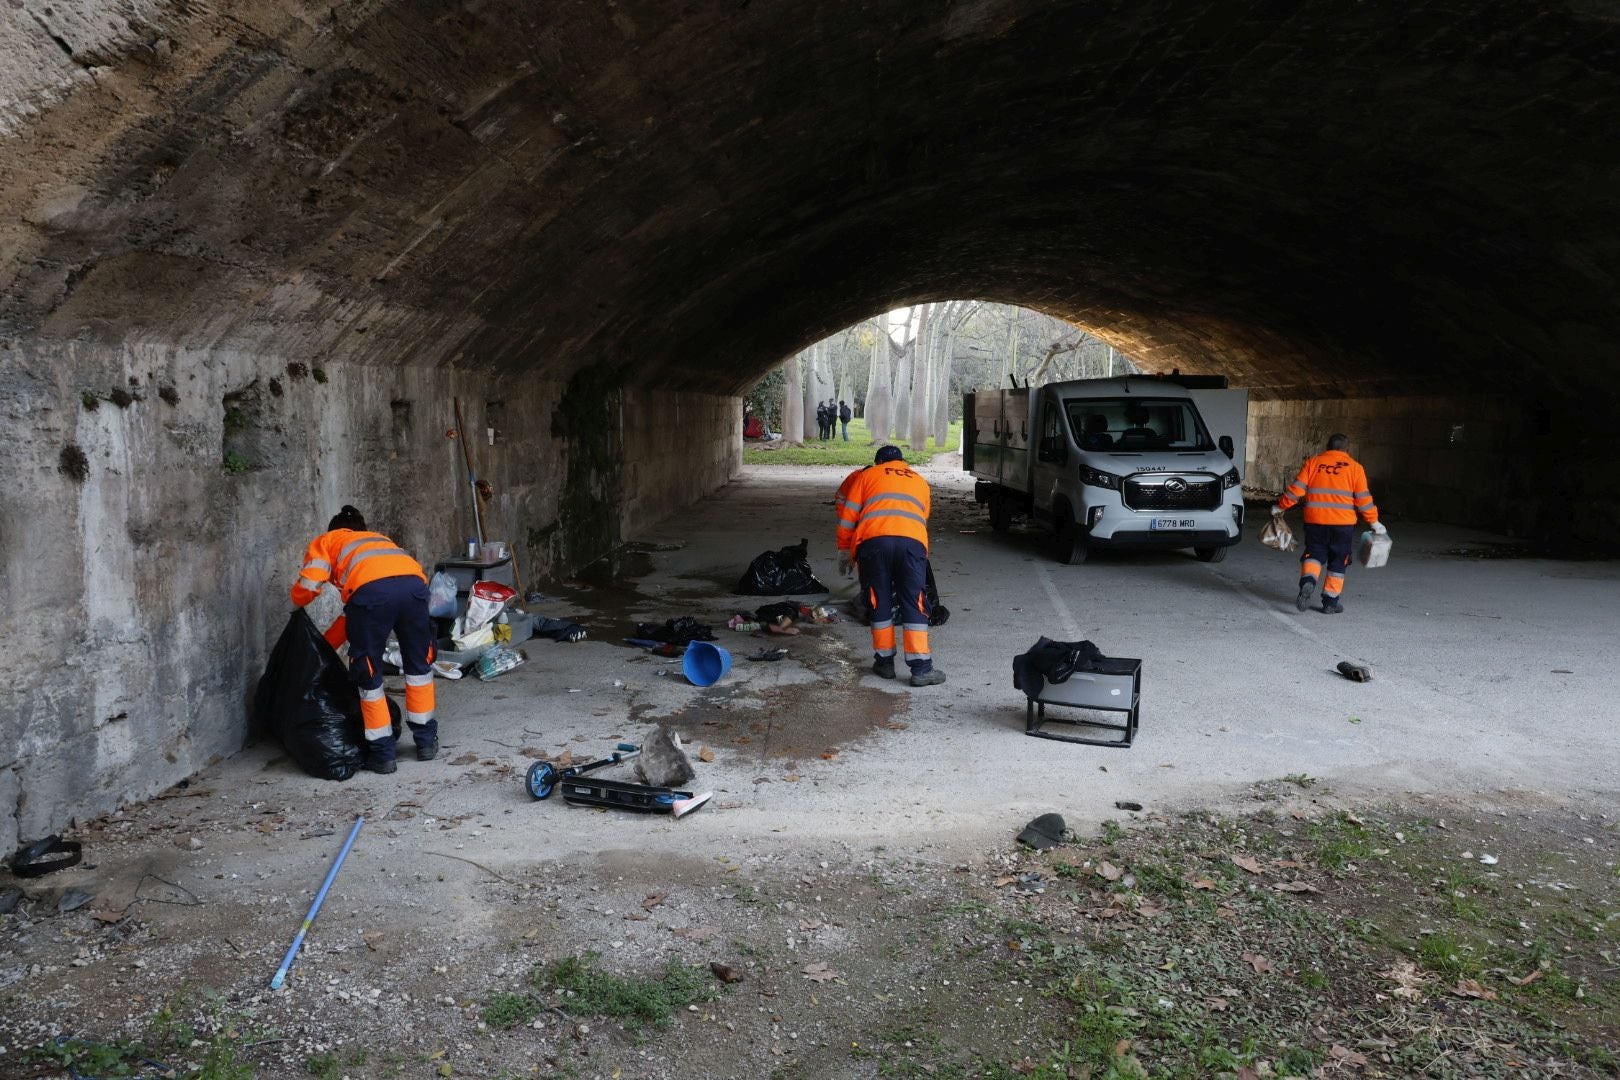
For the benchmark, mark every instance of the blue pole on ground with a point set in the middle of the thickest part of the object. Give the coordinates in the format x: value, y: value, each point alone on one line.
x: 315, y: 907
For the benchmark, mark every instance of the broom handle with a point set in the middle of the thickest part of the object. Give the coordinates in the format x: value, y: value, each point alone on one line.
x: 315, y: 907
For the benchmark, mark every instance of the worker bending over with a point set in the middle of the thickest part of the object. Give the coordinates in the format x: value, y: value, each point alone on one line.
x: 883, y: 527
x: 1333, y: 487
x: 383, y: 589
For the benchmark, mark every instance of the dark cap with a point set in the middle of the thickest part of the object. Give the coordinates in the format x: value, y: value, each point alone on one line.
x: 888, y: 453
x: 1044, y: 832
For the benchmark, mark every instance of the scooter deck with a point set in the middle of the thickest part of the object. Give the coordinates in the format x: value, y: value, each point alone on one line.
x: 620, y: 795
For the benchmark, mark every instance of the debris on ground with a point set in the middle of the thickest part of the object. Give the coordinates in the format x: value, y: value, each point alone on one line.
x: 681, y: 631
x: 1044, y: 832
x: 662, y: 762
x: 1355, y: 672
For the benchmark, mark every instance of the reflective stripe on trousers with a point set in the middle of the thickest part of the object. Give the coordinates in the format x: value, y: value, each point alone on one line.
x: 419, y: 698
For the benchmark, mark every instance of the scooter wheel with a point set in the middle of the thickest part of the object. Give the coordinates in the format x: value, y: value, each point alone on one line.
x: 542, y: 779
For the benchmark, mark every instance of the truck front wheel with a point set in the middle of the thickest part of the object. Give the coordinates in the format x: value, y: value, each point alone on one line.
x: 1068, y: 546
x: 1210, y: 554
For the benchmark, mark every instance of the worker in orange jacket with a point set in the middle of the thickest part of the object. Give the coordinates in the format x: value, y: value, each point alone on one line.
x: 883, y: 527
x: 383, y: 590
x: 1333, y: 487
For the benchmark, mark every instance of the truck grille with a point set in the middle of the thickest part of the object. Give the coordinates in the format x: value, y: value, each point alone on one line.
x: 1157, y: 492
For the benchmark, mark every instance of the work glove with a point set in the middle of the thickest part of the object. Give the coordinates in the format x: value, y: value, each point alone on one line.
x: 1378, y: 527
x: 845, y: 566
x: 1277, y: 510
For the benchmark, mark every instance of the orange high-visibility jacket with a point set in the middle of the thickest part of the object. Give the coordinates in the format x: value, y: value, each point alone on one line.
x: 1333, y: 487
x: 883, y: 500
x: 348, y: 560
x: 841, y: 500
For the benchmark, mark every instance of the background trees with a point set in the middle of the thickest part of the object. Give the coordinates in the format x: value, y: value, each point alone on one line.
x: 905, y: 371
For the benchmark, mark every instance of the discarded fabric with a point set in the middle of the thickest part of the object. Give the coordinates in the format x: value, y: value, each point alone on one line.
x: 681, y: 631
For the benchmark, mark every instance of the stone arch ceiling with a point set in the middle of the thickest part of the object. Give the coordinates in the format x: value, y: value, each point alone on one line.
x: 1320, y: 198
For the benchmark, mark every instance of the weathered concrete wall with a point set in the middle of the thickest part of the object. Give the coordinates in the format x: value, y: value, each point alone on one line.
x: 1518, y: 466
x: 141, y: 600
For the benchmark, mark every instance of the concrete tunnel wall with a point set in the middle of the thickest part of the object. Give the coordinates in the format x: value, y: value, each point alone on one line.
x: 142, y: 599
x: 613, y: 216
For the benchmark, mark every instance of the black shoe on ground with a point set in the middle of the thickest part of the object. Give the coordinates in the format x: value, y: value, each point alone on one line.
x: 931, y: 677
x: 883, y: 667
x: 1331, y: 606
x: 379, y: 766
x: 427, y: 751
x: 1306, y: 588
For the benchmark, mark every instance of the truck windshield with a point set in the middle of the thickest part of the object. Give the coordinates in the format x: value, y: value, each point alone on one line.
x: 1135, y: 424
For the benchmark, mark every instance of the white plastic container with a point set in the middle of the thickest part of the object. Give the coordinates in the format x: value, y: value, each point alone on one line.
x: 1373, y: 551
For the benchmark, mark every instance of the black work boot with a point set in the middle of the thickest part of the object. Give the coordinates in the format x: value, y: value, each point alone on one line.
x: 1307, y: 586
x: 426, y: 737
x: 883, y: 667
x: 1331, y: 605
x: 379, y: 756
x: 931, y: 677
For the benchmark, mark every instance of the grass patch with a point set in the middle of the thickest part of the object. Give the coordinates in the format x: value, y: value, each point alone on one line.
x: 509, y: 1010
x: 643, y: 1000
x: 858, y: 451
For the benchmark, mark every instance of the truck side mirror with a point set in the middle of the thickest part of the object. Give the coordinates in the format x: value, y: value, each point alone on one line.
x: 1225, y: 443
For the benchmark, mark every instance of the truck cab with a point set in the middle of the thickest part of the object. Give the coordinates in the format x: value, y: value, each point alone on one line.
x: 1128, y: 462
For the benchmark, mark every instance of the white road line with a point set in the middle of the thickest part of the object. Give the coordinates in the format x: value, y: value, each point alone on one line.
x: 1270, y: 608
x: 1070, y: 628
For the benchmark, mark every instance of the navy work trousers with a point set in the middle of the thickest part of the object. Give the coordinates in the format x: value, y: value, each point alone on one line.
x: 897, y: 566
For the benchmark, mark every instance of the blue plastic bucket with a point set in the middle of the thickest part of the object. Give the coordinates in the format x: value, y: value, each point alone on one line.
x: 705, y: 663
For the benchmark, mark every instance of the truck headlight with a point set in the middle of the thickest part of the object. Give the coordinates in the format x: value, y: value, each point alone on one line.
x: 1098, y: 478
x: 1230, y: 479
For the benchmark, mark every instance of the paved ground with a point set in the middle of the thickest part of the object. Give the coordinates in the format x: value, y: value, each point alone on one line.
x: 834, y: 789
x: 1492, y: 674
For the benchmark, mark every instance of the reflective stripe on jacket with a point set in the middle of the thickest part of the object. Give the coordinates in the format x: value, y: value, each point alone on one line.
x: 1333, y: 487
x: 347, y: 560
x: 883, y: 500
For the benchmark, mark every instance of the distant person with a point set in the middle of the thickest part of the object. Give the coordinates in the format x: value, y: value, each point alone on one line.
x: 832, y: 417
x: 821, y: 421
x: 883, y: 526
x: 384, y: 590
x: 845, y: 415
x: 1333, y: 487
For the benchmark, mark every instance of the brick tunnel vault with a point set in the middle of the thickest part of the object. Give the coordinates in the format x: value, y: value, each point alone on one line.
x: 250, y: 251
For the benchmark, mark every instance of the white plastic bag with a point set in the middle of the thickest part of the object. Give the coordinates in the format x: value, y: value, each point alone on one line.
x: 488, y: 599
x: 442, y: 596
x: 1276, y: 534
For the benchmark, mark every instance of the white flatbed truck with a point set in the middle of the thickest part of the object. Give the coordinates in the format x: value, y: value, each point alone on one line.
x: 1132, y: 462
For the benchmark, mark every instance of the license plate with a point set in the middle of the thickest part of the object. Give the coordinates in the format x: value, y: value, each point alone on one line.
x: 1172, y: 523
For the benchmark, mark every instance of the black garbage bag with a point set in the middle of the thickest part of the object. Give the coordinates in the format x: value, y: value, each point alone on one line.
x: 784, y: 572
x: 305, y: 699
x: 938, y: 613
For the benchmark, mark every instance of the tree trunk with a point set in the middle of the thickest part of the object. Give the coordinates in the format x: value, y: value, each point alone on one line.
x: 923, y: 352
x: 878, y: 400
x: 942, y: 386
x: 902, y: 380
x: 792, y: 399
